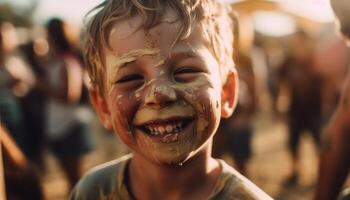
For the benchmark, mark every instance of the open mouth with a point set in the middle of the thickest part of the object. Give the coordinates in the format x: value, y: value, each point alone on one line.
x: 165, y: 127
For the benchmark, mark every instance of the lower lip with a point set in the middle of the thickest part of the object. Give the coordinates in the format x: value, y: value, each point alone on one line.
x: 166, y: 138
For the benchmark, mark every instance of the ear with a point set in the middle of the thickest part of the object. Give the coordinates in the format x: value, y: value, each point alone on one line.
x: 229, y: 94
x: 101, y: 108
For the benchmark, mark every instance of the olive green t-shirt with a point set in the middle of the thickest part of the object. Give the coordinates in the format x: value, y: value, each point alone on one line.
x: 107, y: 182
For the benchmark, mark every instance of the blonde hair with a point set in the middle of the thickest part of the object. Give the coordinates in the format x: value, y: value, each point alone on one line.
x: 214, y: 19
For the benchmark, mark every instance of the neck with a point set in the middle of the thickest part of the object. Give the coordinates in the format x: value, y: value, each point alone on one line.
x: 162, y: 181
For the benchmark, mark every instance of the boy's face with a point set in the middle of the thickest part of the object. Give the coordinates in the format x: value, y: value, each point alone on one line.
x: 164, y: 103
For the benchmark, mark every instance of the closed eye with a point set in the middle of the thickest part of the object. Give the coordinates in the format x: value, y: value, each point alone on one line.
x: 184, y: 70
x: 130, y: 78
x: 186, y: 74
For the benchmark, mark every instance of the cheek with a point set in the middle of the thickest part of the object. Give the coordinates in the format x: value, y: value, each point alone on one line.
x: 206, y: 101
x: 122, y: 110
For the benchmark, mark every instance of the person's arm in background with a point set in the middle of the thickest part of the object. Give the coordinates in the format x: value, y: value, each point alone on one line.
x: 335, y: 159
x: 21, y: 179
x: 71, y: 82
x: 6, y: 79
x: 2, y: 173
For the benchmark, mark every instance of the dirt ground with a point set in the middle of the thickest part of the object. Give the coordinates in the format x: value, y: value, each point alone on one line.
x: 268, y: 168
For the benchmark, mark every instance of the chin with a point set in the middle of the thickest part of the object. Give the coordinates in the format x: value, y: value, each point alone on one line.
x: 173, y: 160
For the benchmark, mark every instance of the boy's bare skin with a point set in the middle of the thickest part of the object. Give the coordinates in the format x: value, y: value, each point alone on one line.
x: 335, y: 160
x: 165, y: 102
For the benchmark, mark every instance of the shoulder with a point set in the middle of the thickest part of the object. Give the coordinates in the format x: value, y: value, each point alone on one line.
x: 101, y: 181
x: 234, y: 186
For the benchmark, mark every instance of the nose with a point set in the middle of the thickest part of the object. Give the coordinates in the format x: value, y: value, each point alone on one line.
x: 160, y: 94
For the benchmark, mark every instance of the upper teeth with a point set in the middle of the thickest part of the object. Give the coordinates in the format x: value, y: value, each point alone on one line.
x: 164, y: 129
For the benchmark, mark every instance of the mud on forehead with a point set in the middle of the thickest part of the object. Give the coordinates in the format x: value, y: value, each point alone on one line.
x: 158, y: 41
x: 125, y: 28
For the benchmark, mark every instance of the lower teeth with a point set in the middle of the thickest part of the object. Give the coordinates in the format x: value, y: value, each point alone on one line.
x: 173, y: 132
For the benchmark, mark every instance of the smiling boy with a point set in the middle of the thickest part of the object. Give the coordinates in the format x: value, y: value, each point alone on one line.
x: 163, y: 76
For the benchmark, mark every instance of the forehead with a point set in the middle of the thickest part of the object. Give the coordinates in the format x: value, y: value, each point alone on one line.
x: 126, y: 35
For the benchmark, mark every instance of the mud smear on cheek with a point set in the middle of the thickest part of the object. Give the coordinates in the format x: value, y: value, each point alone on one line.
x: 123, y: 120
x: 191, y: 93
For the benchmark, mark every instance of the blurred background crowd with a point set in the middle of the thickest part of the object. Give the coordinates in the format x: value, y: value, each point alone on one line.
x: 291, y: 67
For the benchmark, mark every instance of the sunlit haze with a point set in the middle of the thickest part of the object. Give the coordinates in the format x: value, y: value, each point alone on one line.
x: 72, y: 10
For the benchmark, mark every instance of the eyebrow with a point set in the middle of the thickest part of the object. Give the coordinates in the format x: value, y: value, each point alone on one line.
x: 133, y: 55
x: 178, y: 56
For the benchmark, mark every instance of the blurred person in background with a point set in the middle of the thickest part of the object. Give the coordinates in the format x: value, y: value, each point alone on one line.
x: 32, y: 104
x: 235, y: 133
x: 335, y: 160
x: 16, y: 79
x: 67, y: 120
x: 21, y: 179
x: 303, y: 84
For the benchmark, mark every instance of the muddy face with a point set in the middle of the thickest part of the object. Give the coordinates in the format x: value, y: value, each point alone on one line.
x: 163, y: 102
